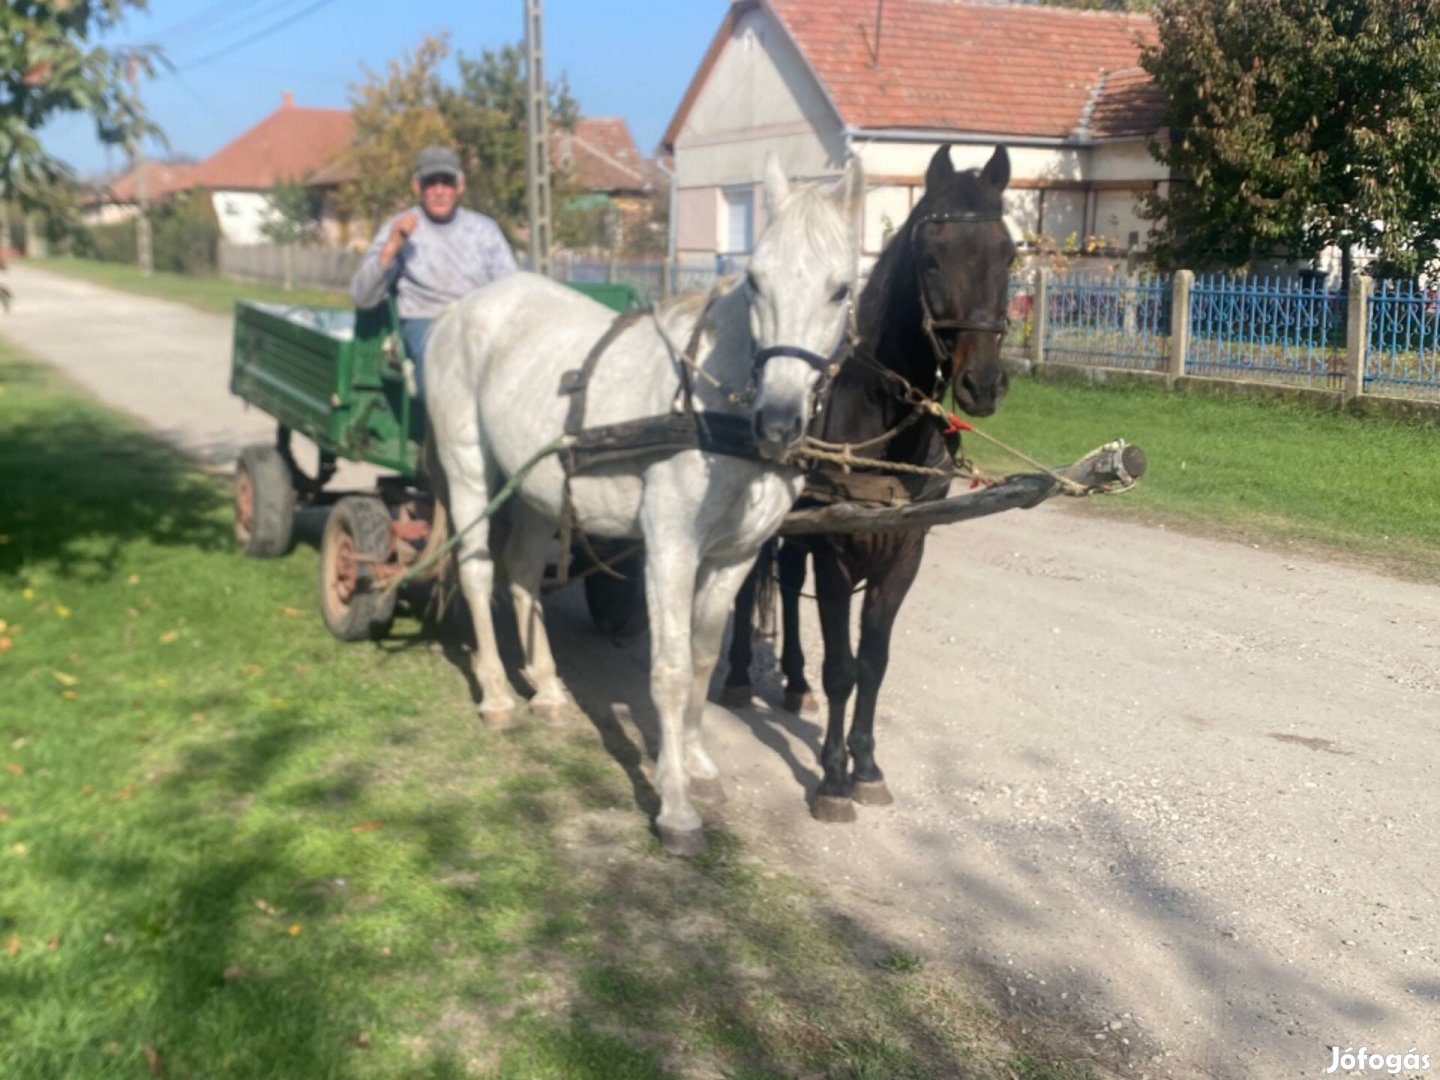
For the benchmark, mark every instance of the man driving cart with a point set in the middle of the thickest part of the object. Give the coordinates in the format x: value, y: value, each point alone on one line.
x: 430, y: 255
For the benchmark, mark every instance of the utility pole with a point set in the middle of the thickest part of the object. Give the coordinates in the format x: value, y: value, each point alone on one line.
x: 143, y: 254
x: 537, y: 146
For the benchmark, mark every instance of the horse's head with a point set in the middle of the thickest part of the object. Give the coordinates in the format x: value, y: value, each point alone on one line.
x: 801, y: 280
x: 962, y: 254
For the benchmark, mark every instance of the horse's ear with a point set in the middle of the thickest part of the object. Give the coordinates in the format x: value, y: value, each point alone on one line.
x: 941, y: 169
x: 852, y: 188
x: 777, y: 184
x: 997, y: 170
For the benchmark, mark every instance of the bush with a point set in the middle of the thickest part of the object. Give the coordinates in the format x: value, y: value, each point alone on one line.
x: 112, y: 243
x: 184, y: 237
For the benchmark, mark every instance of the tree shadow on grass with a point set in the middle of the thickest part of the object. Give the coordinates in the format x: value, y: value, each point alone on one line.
x: 80, y: 484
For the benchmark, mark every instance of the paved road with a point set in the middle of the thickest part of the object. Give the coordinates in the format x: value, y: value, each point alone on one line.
x: 1172, y: 797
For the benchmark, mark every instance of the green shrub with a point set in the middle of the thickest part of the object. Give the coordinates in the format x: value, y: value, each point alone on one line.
x: 112, y: 243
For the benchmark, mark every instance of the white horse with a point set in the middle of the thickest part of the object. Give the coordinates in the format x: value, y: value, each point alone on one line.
x: 494, y: 364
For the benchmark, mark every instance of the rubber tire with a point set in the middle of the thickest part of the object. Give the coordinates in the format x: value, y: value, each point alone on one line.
x: 272, y: 521
x: 364, y: 521
x: 617, y: 608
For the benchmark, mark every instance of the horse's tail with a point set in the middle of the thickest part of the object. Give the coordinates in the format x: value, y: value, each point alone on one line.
x: 767, y: 587
x: 444, y: 576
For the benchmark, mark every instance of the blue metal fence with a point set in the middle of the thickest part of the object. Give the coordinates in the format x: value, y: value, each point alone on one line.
x: 1266, y: 328
x: 1402, y: 355
x: 1111, y: 322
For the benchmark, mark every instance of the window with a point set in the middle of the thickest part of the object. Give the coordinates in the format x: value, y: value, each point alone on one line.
x: 232, y: 208
x: 739, y: 221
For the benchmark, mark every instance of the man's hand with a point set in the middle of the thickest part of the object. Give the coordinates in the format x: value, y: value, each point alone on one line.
x: 404, y: 225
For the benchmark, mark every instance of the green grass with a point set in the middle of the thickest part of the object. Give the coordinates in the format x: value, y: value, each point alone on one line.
x: 232, y: 847
x: 1270, y: 471
x: 216, y: 294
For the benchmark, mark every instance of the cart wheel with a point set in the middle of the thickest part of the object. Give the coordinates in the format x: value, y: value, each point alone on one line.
x: 353, y: 606
x: 264, y: 503
x: 617, y: 608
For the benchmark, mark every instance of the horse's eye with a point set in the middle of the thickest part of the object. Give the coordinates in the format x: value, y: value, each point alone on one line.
x: 752, y: 282
x: 841, y: 294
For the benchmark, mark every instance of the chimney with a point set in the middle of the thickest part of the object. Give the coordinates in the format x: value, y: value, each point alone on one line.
x: 287, y: 100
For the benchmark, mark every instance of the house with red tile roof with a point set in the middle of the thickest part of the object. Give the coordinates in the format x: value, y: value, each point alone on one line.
x: 118, y: 199
x: 817, y: 81
x: 290, y: 143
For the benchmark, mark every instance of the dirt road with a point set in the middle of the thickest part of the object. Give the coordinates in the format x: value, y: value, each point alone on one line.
x: 1170, y: 796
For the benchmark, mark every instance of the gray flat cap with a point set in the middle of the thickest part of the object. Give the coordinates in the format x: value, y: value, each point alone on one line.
x: 437, y: 161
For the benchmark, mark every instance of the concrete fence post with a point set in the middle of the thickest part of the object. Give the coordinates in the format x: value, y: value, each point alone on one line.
x: 1038, y: 307
x: 611, y: 274
x: 667, y: 279
x: 1180, y: 287
x: 1357, y: 335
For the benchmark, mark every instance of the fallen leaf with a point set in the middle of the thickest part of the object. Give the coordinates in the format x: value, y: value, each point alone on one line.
x: 4, y: 626
x: 231, y: 974
x: 362, y: 1040
x: 197, y: 717
x: 62, y: 611
x: 88, y: 789
x: 69, y: 695
x: 263, y: 906
x: 277, y: 702
x: 53, y: 944
x: 64, y: 679
x: 110, y: 1048
x: 295, y: 929
x: 133, y: 579
x: 77, y: 658
x: 42, y: 607
x: 162, y: 682
x: 168, y: 636
x: 4, y: 813
x: 19, y: 849
x: 19, y: 744
x: 124, y: 794
x: 252, y: 669
x: 5, y: 644
x: 109, y: 940
x: 132, y: 613
x: 12, y: 946
x: 4, y: 537
x: 28, y: 594
x: 293, y: 613
x: 366, y: 826
x: 152, y: 1059
x: 15, y: 767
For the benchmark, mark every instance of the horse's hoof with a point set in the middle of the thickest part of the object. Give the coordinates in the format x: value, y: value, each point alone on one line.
x: 736, y: 697
x: 707, y: 790
x: 871, y: 793
x: 800, y: 702
x: 686, y: 843
x: 832, y: 809
x: 498, y: 718
x: 549, y: 712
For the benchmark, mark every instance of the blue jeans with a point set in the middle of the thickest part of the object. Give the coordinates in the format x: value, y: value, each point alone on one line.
x: 413, y: 333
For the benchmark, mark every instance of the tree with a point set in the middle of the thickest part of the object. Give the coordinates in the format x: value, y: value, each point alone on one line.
x: 1295, y: 125
x: 487, y: 114
x: 396, y: 115
x: 294, y: 210
x: 47, y: 67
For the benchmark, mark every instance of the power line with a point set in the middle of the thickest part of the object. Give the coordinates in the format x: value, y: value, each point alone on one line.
x: 259, y: 34
x: 226, y: 9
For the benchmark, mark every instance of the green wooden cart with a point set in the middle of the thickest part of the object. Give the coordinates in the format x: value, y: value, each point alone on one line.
x: 338, y: 378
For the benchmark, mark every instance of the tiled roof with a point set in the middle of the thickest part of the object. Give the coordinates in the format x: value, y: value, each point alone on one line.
x: 603, y: 155
x: 161, y: 180
x: 986, y: 68
x: 286, y: 145
x: 1126, y: 103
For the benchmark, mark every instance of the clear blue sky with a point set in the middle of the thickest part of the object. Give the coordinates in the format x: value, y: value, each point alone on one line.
x: 628, y: 58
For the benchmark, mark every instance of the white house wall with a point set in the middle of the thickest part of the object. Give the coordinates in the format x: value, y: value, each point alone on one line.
x: 241, y: 213
x: 759, y: 98
x: 1124, y: 161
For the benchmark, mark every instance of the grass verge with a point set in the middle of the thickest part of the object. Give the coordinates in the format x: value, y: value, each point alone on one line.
x: 231, y: 847
x: 213, y: 293
x: 1271, y: 471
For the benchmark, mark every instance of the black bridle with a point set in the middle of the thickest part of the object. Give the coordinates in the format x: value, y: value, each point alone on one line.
x: 928, y: 322
x: 827, y: 367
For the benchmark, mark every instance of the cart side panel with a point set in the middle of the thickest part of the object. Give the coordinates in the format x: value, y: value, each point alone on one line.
x: 292, y: 372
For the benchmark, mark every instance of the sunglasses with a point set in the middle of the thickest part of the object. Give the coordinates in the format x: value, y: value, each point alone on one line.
x: 443, y: 180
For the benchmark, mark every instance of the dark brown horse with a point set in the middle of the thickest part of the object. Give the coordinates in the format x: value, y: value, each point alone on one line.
x: 930, y: 319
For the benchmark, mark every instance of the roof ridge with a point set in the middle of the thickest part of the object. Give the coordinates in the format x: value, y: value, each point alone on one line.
x: 1082, y: 125
x: 1046, y: 9
x: 608, y: 157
